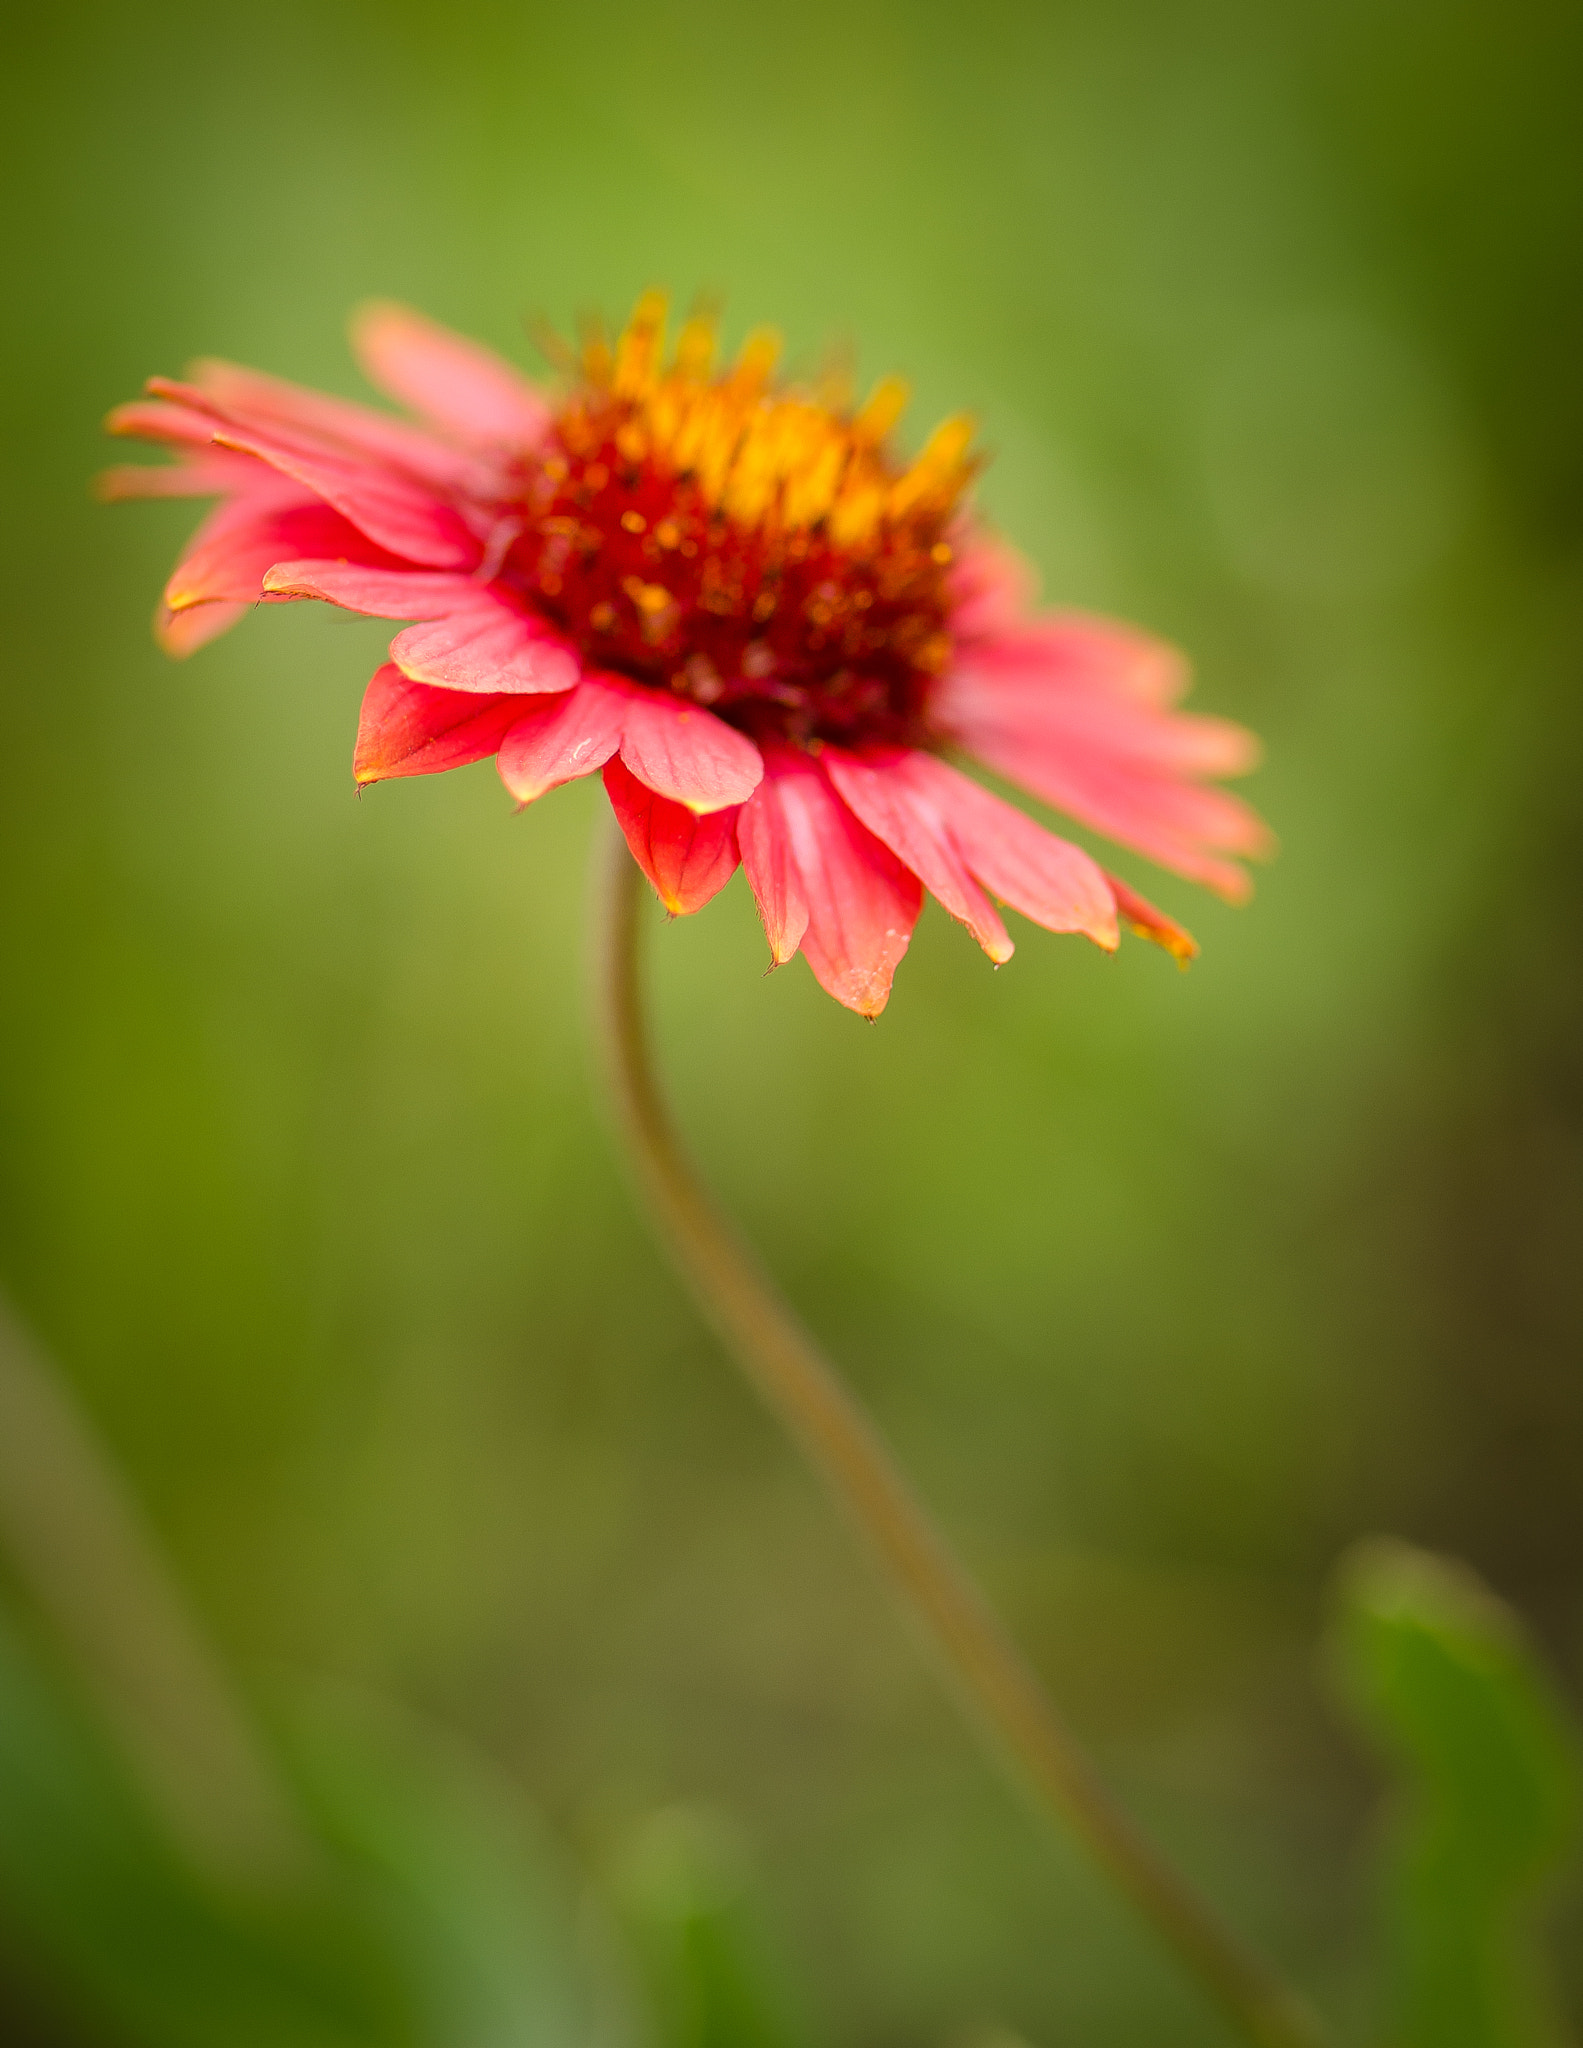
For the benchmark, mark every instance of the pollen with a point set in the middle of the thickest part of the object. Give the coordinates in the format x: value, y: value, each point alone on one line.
x: 750, y: 544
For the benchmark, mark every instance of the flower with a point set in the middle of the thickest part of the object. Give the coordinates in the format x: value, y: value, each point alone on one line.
x: 732, y: 598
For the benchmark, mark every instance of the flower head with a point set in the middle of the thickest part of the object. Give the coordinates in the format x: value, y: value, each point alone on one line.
x: 731, y: 597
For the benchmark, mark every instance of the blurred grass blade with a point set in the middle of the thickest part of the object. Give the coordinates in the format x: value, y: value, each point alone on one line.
x: 373, y: 1887
x: 470, y: 1892
x: 707, y: 1971
x: 434, y: 1914
x: 1440, y: 1674
x: 117, y: 1927
x: 79, y: 1545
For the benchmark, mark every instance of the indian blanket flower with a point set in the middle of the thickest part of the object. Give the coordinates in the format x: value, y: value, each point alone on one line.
x: 731, y: 598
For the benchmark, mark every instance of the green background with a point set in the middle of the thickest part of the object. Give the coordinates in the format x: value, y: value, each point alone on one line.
x: 1166, y: 1287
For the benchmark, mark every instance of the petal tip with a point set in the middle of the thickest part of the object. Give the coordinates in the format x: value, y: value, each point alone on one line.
x: 1172, y: 938
x: 866, y: 995
x: 1234, y: 887
x: 1140, y: 916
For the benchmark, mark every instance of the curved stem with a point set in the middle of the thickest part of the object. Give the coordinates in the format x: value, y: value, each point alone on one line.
x: 802, y: 1390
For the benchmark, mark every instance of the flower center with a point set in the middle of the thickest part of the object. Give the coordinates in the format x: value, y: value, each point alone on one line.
x: 754, y: 549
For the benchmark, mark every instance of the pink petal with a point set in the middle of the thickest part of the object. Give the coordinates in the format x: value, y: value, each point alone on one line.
x: 558, y: 741
x: 490, y: 645
x: 686, y: 753
x: 1175, y: 823
x: 1061, y: 712
x: 462, y: 388
x: 406, y: 728
x: 250, y: 398
x: 688, y: 858
x: 991, y: 584
x: 1076, y: 710
x: 903, y: 814
x: 772, y: 872
x: 1150, y: 923
x: 861, y: 902
x: 398, y: 515
x: 183, y: 633
x: 228, y: 555
x: 1048, y: 879
x: 201, y: 471
x: 173, y: 422
x: 394, y: 509
x: 1091, y: 653
x: 380, y: 593
x: 210, y: 475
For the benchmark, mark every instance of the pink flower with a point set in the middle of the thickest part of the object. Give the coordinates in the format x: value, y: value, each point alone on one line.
x: 729, y: 597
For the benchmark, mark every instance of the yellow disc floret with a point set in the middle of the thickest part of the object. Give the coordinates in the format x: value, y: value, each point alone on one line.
x: 752, y: 546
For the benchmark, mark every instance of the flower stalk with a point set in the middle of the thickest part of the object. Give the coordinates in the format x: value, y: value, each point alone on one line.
x: 990, y: 1677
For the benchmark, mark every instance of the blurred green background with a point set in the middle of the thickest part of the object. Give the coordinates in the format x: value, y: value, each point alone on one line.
x: 1167, y: 1288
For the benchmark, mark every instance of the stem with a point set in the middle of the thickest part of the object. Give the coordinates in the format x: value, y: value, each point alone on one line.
x: 800, y: 1387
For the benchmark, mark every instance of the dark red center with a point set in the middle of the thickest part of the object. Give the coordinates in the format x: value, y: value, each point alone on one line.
x: 779, y: 631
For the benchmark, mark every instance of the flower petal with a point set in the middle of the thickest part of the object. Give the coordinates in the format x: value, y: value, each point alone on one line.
x: 561, y: 739
x: 200, y: 471
x: 488, y: 645
x: 182, y: 633
x: 991, y: 584
x: 210, y: 475
x: 861, y: 902
x: 1048, y: 879
x: 378, y: 592
x: 1176, y: 823
x: 407, y: 728
x: 397, y: 514
x: 253, y: 398
x: 173, y: 423
x: 1150, y: 923
x: 1064, y: 713
x: 902, y: 813
x: 687, y: 857
x: 464, y: 389
x: 393, y: 508
x: 1076, y: 710
x: 228, y: 555
x: 1087, y: 652
x: 686, y: 753
x: 771, y: 869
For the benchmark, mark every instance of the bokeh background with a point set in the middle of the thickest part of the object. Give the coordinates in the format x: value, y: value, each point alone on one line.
x: 1166, y: 1287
